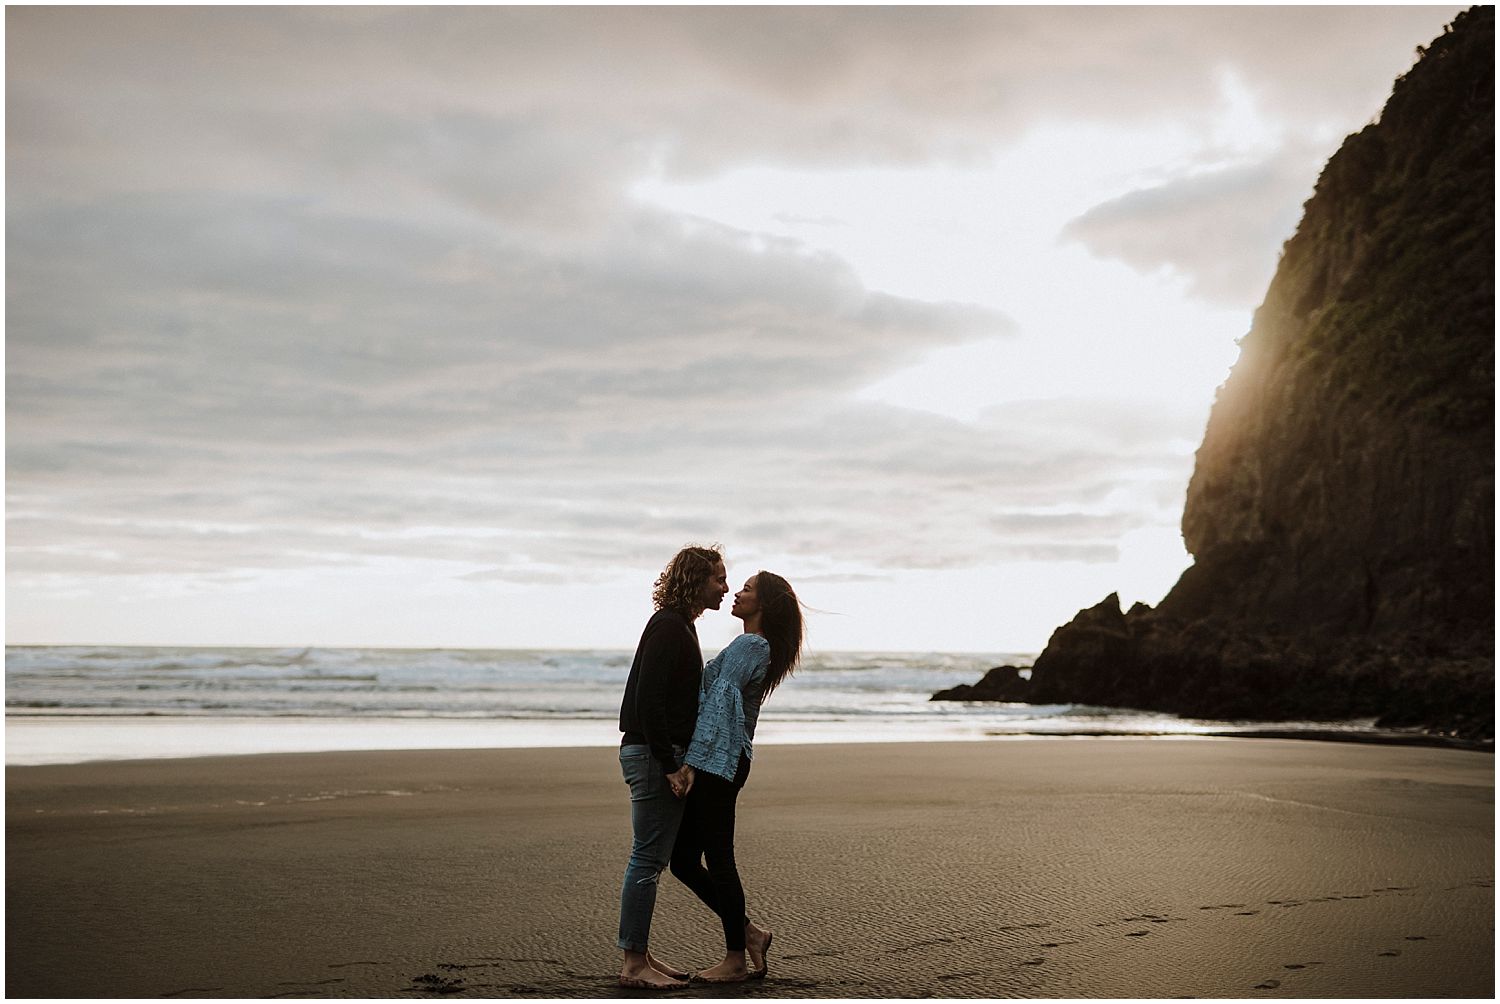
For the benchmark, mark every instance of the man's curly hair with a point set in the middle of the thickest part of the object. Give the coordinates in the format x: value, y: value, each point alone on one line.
x: 681, y: 582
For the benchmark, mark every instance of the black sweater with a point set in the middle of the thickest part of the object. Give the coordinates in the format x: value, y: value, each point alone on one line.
x: 661, y: 696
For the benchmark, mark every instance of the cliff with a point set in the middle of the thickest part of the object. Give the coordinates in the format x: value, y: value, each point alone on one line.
x: 1341, y: 511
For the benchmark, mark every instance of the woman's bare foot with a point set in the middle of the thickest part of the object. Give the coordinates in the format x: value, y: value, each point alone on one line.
x: 666, y: 969
x: 757, y: 940
x: 731, y: 970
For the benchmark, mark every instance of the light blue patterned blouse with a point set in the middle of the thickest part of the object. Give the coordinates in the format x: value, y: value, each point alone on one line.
x: 729, y: 706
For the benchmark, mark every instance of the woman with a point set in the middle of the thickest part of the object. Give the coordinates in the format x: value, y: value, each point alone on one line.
x: 735, y: 684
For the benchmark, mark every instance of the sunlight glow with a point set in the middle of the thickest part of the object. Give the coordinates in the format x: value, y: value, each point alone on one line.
x: 1086, y: 328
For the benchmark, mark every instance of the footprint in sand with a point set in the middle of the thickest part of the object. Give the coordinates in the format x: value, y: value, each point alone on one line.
x: 433, y: 983
x: 1247, y: 913
x: 1389, y: 953
x: 192, y: 990
x: 1268, y: 985
x: 1136, y: 934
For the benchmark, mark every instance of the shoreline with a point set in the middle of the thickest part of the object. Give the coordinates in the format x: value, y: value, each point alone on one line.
x: 59, y: 738
x: 1382, y: 738
x: 1128, y: 868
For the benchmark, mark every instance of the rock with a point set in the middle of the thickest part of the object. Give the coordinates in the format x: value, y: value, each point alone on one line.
x: 1003, y: 683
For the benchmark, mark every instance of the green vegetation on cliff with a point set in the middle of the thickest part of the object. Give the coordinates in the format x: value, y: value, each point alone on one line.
x: 1407, y: 201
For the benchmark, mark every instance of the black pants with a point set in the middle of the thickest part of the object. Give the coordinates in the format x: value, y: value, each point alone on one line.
x: 707, y: 833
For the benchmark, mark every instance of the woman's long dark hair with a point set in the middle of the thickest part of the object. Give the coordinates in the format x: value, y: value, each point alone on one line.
x: 781, y: 624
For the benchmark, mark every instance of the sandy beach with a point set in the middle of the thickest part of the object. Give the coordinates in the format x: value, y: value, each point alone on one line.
x: 1018, y: 868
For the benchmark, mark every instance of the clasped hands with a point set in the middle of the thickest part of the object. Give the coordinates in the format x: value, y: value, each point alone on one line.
x: 681, y: 781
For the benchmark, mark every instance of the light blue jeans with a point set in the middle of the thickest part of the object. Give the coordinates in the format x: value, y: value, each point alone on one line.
x: 655, y: 815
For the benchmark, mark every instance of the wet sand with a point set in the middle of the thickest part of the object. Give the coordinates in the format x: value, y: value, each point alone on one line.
x: 1019, y: 868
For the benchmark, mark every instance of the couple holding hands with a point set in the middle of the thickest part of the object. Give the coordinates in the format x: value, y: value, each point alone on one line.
x: 686, y: 750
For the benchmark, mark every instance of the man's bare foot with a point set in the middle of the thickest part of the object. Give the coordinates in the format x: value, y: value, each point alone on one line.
x: 731, y: 970
x: 647, y: 978
x: 665, y: 969
x: 637, y: 973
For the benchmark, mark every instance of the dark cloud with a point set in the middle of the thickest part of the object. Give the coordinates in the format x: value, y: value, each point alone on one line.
x: 514, y: 107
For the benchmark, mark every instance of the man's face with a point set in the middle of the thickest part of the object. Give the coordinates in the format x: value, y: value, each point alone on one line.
x: 714, y: 589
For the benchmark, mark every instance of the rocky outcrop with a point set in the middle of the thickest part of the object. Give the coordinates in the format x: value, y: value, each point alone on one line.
x: 1003, y: 683
x: 1341, y: 511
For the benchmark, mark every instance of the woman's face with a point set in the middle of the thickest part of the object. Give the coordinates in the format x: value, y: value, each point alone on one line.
x: 745, y: 602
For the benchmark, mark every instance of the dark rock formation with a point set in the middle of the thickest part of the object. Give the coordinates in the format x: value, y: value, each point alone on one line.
x: 1003, y: 683
x: 1341, y: 511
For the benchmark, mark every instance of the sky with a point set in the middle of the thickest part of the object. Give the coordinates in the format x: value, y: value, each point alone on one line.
x: 447, y: 327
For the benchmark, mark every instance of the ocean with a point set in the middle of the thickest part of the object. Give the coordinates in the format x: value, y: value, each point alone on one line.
x: 79, y: 703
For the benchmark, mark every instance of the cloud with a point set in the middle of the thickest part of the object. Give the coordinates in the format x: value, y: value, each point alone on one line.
x: 228, y: 335
x: 1222, y: 228
x: 537, y: 114
x: 307, y: 288
x: 240, y: 385
x: 868, y: 486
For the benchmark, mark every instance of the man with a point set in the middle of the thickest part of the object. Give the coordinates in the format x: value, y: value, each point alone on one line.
x: 657, y: 718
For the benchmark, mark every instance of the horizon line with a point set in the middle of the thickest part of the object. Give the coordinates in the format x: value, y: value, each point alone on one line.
x: 490, y: 648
